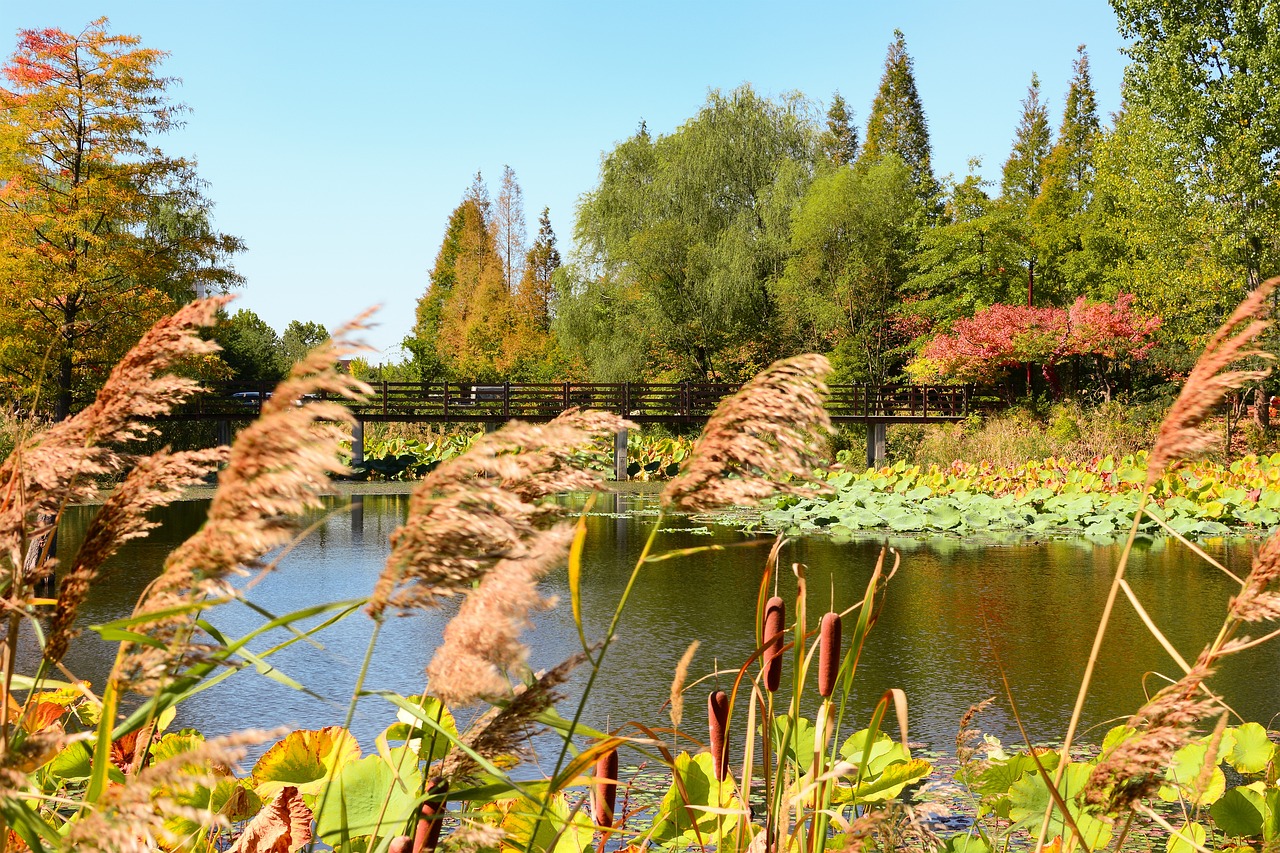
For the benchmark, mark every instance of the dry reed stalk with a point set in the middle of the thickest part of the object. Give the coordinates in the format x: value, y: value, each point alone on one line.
x: 485, y: 506
x: 828, y: 654
x: 130, y: 818
x: 1180, y: 434
x: 155, y: 481
x: 58, y: 466
x: 277, y: 469
x: 762, y: 440
x: 718, y: 726
x: 775, y: 617
x: 504, y: 731
x: 677, y: 685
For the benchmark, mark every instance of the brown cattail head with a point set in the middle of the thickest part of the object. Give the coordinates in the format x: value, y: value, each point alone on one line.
x: 718, y: 723
x: 427, y: 834
x: 606, y: 789
x: 829, y: 654
x: 775, y: 617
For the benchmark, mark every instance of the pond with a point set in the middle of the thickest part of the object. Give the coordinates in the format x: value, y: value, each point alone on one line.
x: 956, y: 614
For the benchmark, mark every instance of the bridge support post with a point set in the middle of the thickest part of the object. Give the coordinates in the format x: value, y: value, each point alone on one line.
x: 357, y: 442
x: 876, y: 441
x: 620, y: 456
x: 224, y: 432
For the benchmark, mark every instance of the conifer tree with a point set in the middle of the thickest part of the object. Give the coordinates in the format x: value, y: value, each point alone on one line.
x: 840, y: 140
x: 1024, y: 170
x: 1023, y: 177
x: 540, y: 264
x: 509, y: 228
x: 897, y: 123
x: 1073, y: 254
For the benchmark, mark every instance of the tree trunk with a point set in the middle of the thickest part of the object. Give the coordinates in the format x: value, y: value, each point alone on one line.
x: 1262, y: 408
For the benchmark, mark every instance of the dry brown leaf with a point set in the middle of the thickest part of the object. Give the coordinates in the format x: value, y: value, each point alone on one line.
x: 283, y: 826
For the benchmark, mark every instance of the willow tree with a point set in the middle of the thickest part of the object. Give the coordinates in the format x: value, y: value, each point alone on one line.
x: 101, y: 232
x: 690, y: 223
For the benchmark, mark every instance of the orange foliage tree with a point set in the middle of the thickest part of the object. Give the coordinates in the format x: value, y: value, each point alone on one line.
x: 101, y: 232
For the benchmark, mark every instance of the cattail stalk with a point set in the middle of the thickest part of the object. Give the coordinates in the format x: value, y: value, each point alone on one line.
x: 718, y: 723
x: 775, y: 617
x: 606, y: 789
x: 427, y: 834
x: 829, y: 654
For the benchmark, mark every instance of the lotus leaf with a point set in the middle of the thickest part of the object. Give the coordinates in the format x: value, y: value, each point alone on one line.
x: 304, y: 759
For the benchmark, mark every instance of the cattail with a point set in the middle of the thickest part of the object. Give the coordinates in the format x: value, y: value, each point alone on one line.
x: 718, y: 723
x: 400, y: 844
x: 427, y: 834
x: 775, y: 617
x: 606, y: 789
x: 829, y: 654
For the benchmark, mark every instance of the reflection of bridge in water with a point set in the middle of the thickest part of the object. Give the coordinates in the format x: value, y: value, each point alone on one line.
x: 643, y: 402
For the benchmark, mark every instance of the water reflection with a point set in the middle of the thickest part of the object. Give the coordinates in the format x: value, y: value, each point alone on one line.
x: 954, y: 617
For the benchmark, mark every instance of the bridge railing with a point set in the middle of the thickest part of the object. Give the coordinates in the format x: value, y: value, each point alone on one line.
x: 646, y: 401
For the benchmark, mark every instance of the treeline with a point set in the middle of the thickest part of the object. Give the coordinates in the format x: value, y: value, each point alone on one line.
x: 762, y: 227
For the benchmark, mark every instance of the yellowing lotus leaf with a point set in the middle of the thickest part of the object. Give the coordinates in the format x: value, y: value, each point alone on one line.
x: 304, y: 760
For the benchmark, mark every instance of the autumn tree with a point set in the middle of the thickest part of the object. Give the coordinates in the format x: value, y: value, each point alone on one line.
x: 463, y: 318
x: 101, y: 232
x: 897, y: 123
x: 507, y: 224
x: 839, y: 141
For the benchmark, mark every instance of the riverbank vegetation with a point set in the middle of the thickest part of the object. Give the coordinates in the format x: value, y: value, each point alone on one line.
x: 95, y: 767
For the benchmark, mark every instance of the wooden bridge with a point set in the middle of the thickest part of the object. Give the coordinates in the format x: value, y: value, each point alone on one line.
x: 647, y: 402
x: 877, y: 406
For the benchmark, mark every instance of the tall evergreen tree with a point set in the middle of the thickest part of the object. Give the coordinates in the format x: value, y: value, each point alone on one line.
x: 1024, y: 170
x: 1073, y: 252
x: 508, y: 227
x: 840, y: 140
x: 1023, y: 177
x: 897, y: 123
x: 540, y: 264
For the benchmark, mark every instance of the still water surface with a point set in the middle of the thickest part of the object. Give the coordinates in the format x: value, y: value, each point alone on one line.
x: 955, y: 614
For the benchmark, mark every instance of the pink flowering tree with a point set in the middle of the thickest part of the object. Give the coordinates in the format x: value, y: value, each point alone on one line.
x: 980, y: 349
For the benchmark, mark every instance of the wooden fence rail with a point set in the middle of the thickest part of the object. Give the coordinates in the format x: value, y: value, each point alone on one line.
x: 643, y: 402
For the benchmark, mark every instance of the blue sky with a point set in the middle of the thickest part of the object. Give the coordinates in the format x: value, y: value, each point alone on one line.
x: 336, y: 137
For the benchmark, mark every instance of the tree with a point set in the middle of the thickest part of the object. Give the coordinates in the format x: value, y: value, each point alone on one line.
x: 1023, y: 177
x: 540, y: 264
x: 1002, y: 336
x: 693, y: 224
x: 465, y: 315
x: 1075, y: 253
x: 897, y: 123
x: 250, y: 348
x: 509, y: 229
x: 1205, y: 73
x: 842, y: 286
x: 101, y: 232
x: 299, y: 338
x: 840, y: 141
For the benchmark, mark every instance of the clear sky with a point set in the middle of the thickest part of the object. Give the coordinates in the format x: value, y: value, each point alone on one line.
x: 336, y: 137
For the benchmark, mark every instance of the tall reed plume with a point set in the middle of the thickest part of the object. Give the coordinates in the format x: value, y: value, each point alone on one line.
x: 763, y: 440
x: 59, y: 465
x: 1181, y: 436
x: 483, y: 517
x: 278, y: 468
